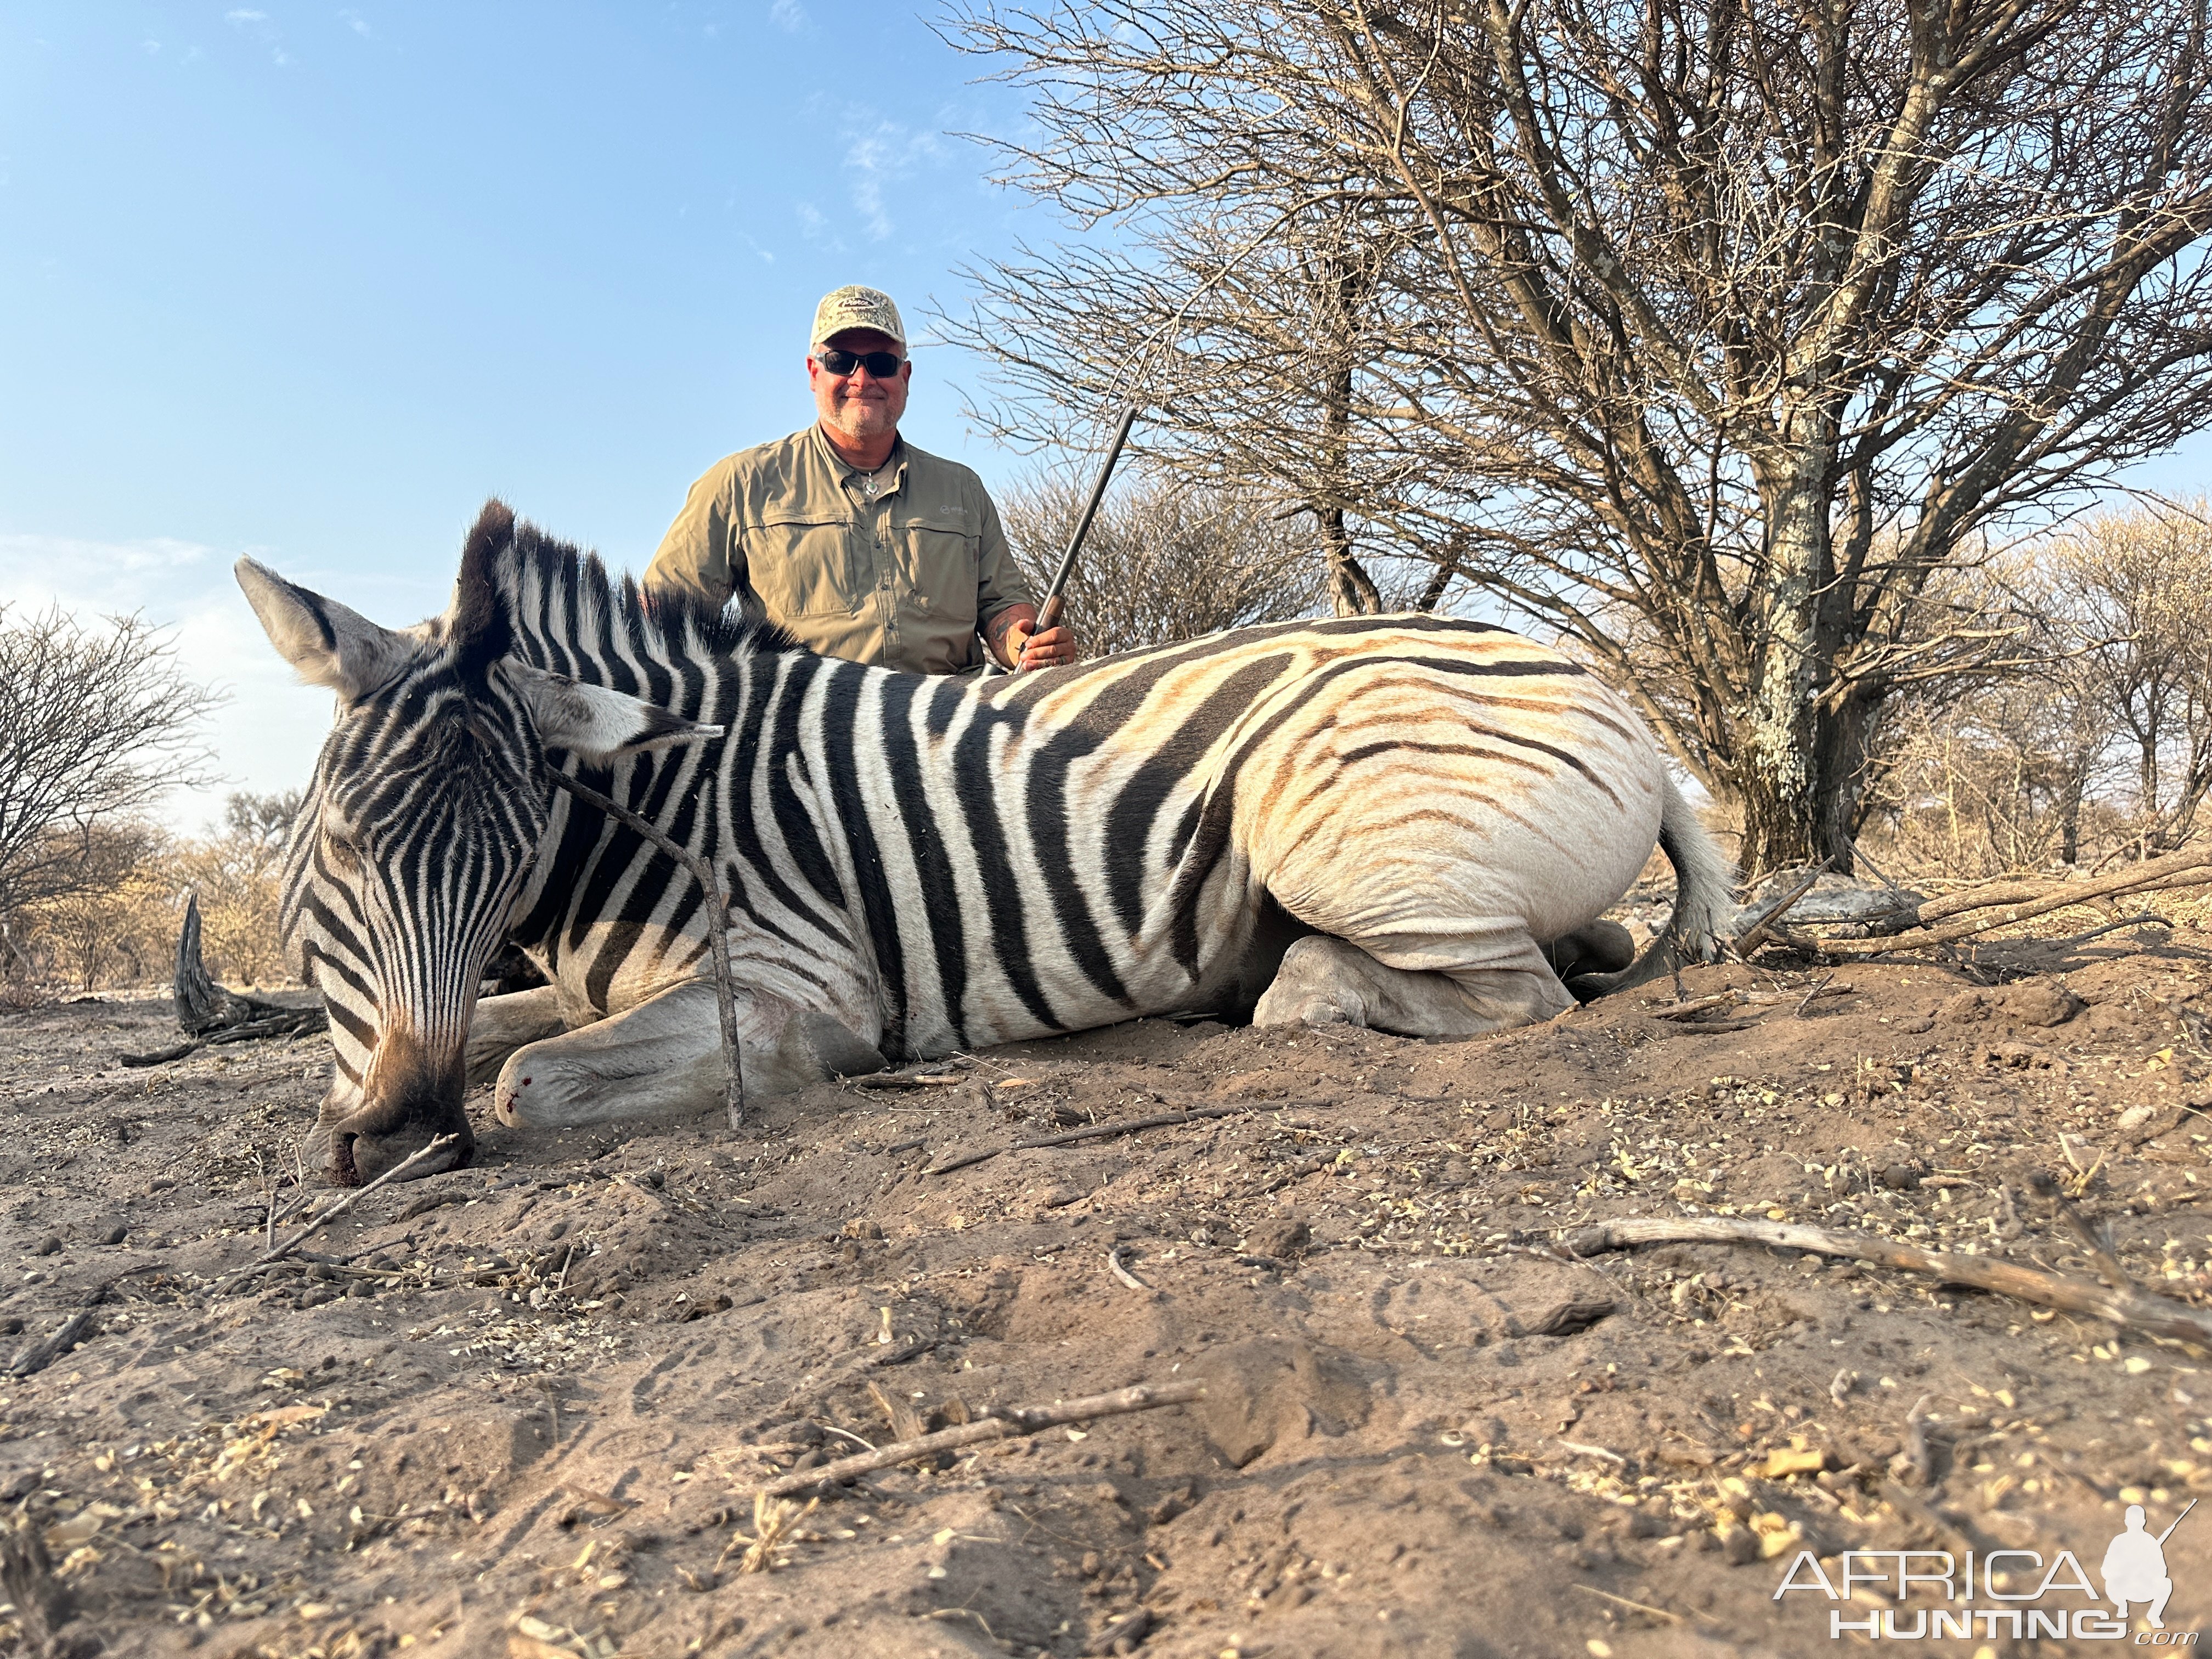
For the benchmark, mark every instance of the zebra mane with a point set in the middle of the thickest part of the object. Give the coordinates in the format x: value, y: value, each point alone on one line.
x: 558, y: 605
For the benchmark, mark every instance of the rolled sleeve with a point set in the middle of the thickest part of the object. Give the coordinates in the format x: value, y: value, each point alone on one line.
x: 999, y: 581
x: 699, y: 556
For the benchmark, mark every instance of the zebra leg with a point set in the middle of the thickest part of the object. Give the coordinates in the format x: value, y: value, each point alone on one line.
x: 1328, y: 981
x: 664, y: 1059
x: 502, y: 1024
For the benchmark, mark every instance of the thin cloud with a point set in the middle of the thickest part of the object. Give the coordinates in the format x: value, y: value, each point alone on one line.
x: 354, y: 21
x: 789, y: 15
x: 880, y: 154
x: 258, y: 23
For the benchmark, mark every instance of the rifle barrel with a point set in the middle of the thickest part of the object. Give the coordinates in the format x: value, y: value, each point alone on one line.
x: 1090, y: 507
x: 2178, y: 1520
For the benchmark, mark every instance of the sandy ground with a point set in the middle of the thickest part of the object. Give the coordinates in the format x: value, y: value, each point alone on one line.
x: 525, y: 1410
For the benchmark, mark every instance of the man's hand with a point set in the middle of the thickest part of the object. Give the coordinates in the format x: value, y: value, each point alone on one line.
x: 1020, y: 649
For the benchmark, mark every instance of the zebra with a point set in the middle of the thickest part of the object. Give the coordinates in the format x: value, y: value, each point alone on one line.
x: 1405, y: 821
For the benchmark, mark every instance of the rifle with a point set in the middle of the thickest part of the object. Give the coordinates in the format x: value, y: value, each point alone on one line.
x: 1054, y: 600
x: 2178, y: 1520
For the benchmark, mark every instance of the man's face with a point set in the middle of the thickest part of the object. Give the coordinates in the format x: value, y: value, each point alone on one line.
x: 859, y: 406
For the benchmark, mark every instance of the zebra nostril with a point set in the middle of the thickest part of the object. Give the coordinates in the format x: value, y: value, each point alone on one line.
x: 524, y: 1084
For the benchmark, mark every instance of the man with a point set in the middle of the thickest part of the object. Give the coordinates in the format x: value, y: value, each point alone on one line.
x: 2135, y: 1568
x: 857, y: 544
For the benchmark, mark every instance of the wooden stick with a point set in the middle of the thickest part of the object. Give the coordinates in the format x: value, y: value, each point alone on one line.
x: 2133, y: 1308
x: 1007, y: 1423
x: 1694, y: 1006
x: 281, y: 1251
x: 1120, y: 1126
x: 1114, y: 1262
x: 1750, y: 938
x: 718, y: 925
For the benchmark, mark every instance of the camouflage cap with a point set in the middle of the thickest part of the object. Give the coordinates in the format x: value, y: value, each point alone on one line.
x: 857, y: 307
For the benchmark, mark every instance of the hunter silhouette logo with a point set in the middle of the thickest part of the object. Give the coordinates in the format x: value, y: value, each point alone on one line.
x: 2134, y: 1566
x: 2034, y: 1596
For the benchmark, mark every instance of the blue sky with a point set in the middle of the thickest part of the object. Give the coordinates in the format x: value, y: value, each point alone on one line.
x: 311, y: 281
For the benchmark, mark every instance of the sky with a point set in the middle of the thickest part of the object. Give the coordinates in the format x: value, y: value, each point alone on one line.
x: 310, y: 281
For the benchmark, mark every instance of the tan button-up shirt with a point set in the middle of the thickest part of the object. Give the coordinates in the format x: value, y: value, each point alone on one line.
x: 900, y: 567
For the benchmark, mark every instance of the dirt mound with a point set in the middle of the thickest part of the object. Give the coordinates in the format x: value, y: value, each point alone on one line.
x: 525, y: 1408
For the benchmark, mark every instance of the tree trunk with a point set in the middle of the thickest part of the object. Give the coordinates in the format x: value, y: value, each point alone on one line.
x: 2070, y: 808
x: 1788, y: 769
x: 1352, y: 590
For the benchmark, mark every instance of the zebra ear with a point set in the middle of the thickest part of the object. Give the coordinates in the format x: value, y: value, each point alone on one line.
x: 592, y: 720
x: 325, y: 643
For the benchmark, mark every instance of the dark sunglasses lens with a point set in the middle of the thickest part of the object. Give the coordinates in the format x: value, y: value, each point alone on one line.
x: 881, y: 364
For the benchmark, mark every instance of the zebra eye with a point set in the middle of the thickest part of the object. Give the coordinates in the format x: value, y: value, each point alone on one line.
x: 342, y: 850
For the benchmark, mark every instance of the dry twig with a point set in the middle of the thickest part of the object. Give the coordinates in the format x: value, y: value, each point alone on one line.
x: 2135, y: 1310
x: 277, y: 1253
x: 1006, y: 1423
x: 1114, y: 1262
x: 1755, y: 935
x: 1118, y: 1126
x: 718, y: 932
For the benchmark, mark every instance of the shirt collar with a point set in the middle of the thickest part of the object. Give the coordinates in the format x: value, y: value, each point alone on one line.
x: 890, y: 476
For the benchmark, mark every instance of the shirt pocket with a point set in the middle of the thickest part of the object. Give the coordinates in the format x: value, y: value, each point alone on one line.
x: 943, y: 564
x: 808, y: 567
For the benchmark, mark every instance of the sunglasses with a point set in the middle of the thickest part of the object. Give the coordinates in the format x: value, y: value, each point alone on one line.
x: 881, y: 364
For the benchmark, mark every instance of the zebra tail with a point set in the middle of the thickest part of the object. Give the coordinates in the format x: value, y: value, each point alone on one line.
x: 1704, y: 898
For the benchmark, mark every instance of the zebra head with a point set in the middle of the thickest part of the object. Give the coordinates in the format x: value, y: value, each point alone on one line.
x: 428, y: 801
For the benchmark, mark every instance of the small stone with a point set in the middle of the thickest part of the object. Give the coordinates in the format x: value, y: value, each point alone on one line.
x: 860, y: 1227
x: 1741, y: 1547
x: 50, y: 1245
x: 1900, y: 1178
x: 115, y: 1235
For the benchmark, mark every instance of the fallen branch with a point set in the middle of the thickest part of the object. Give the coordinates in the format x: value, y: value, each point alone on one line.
x: 290, y: 1023
x: 1120, y: 1126
x: 277, y: 1253
x: 2016, y: 901
x: 40, y: 1355
x: 2135, y: 1309
x: 1007, y: 1423
x: 1752, y: 937
x: 905, y: 1080
x: 718, y: 925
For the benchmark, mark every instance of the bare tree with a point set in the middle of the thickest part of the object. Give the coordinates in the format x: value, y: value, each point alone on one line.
x: 1163, y: 561
x: 96, y: 724
x: 1736, y: 320
x: 2133, y: 592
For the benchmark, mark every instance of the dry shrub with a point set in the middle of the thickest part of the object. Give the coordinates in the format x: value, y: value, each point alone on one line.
x: 1163, y: 562
x: 118, y: 924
